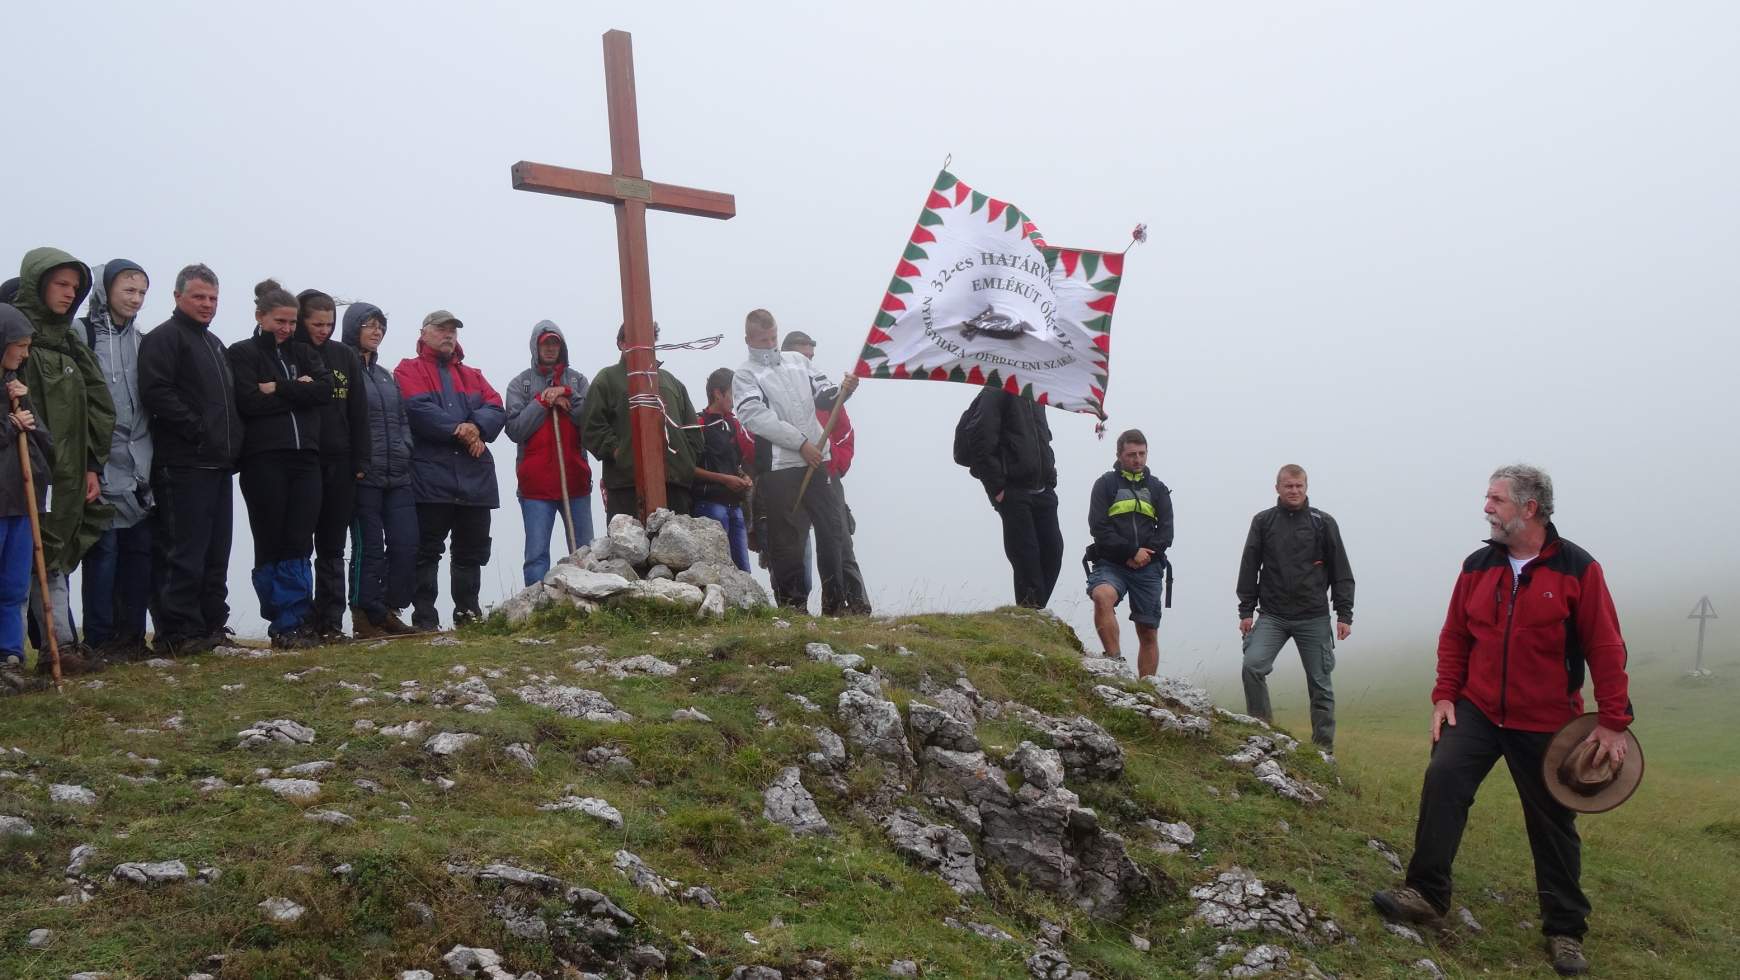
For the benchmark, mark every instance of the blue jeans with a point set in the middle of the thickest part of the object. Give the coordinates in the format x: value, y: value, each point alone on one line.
x: 15, y: 568
x: 731, y: 516
x: 117, y: 585
x: 540, y: 520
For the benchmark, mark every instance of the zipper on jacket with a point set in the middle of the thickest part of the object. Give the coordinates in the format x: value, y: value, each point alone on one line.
x: 295, y: 431
x: 1504, y: 661
x: 223, y: 379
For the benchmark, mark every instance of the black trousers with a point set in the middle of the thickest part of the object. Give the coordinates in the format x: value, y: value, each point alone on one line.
x: 848, y: 594
x: 623, y: 500
x: 331, y: 529
x: 282, y: 491
x: 788, y: 525
x: 469, y: 527
x: 1033, y: 543
x: 190, y: 551
x: 1465, y: 753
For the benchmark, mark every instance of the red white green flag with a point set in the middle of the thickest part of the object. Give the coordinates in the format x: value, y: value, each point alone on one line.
x: 979, y: 297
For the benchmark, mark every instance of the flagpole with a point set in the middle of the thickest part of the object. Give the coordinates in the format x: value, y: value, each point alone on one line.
x: 827, y: 430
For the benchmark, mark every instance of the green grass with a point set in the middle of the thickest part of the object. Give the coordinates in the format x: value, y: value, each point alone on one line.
x: 1659, y: 871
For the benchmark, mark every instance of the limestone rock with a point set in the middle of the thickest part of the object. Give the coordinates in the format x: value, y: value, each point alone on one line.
x: 665, y: 590
x: 410, y: 731
x: 521, y: 753
x: 332, y: 817
x: 295, y: 790
x: 660, y: 572
x: 572, y: 702
x: 822, y: 653
x: 787, y: 803
x: 75, y: 795
x: 655, y: 521
x: 15, y: 827
x: 590, y: 806
x: 691, y: 714
x: 1087, y: 749
x: 933, y: 726
x: 1270, y: 774
x: 1238, y: 901
x: 873, y: 726
x: 39, y: 938
x: 1405, y: 932
x: 449, y: 743
x: 1389, y: 854
x: 937, y: 848
x: 317, y: 768
x: 583, y: 583
x: 625, y: 539
x: 712, y: 603
x: 643, y: 877
x: 1179, y: 694
x: 685, y: 541
x: 1050, y: 964
x: 742, y: 591
x: 471, y: 694
x: 282, y: 730
x: 282, y: 910
x: 150, y: 872
x: 1148, y: 706
x: 1040, y: 768
x: 520, y: 606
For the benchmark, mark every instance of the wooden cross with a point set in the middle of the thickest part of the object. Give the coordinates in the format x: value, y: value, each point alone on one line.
x: 626, y: 188
x: 1703, y: 612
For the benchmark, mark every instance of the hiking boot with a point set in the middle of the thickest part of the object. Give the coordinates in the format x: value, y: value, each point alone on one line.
x: 364, y: 628
x: 394, y: 626
x: 13, y: 679
x: 1406, y: 905
x: 74, y: 659
x: 301, y: 638
x: 1567, y: 956
x: 223, y: 636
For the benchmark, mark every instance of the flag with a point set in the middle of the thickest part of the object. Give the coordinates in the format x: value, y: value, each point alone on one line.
x: 979, y: 297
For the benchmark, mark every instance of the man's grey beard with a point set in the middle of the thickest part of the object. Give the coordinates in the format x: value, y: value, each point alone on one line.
x: 1505, y: 531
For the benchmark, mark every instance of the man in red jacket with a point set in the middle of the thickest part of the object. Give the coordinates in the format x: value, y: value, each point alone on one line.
x: 1530, y: 613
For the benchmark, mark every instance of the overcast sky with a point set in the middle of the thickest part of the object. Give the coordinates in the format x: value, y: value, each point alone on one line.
x: 1398, y: 244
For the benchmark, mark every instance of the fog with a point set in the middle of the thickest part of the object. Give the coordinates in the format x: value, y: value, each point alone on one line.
x: 1396, y: 244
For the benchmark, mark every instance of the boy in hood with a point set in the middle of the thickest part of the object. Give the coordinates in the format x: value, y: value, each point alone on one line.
x: 544, y: 404
x: 16, y: 547
x: 117, y: 568
x: 73, y: 403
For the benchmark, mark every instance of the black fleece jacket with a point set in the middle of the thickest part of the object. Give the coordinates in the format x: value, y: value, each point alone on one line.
x: 187, y: 386
x: 288, y: 418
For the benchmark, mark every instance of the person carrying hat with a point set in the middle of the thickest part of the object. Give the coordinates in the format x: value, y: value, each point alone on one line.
x: 1529, y: 615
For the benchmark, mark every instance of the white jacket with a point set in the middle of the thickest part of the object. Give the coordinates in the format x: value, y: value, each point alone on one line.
x: 775, y: 395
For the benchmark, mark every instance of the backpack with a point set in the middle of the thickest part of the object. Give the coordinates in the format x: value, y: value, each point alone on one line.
x: 966, y: 434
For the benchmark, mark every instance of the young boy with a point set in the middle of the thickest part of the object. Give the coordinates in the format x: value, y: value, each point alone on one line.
x: 719, y: 481
x: 16, y: 549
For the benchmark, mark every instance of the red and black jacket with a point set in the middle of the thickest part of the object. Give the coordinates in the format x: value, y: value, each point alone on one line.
x: 1519, y: 647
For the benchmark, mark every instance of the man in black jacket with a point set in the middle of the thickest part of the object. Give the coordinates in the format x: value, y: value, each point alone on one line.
x: 1130, y: 516
x: 1012, y: 457
x: 187, y: 387
x: 1292, y: 555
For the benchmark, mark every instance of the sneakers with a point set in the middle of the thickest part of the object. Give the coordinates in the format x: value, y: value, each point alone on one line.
x: 1406, y: 905
x: 1567, y: 956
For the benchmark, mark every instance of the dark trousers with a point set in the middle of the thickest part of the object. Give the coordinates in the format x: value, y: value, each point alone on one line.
x: 331, y: 528
x: 623, y: 500
x: 383, y: 562
x: 848, y: 594
x: 788, y: 526
x: 469, y: 527
x: 1033, y: 543
x: 282, y: 491
x: 190, y: 551
x: 117, y: 585
x: 1465, y: 753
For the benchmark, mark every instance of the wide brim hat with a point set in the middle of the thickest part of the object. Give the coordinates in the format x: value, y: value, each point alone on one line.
x: 1577, y: 785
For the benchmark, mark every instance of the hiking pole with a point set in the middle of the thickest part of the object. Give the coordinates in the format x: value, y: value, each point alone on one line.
x: 827, y: 430
x: 36, y: 542
x: 562, y: 473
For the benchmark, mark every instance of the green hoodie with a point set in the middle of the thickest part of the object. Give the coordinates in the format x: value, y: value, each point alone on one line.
x: 72, y: 400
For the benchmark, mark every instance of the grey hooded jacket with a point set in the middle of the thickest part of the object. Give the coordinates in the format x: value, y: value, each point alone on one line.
x: 126, y: 475
x: 776, y: 395
x: 387, y: 464
x: 526, y: 417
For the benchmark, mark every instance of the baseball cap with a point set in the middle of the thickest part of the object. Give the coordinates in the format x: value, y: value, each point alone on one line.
x: 440, y: 317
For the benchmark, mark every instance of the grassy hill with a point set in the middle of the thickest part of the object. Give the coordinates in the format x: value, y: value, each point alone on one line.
x: 393, y: 882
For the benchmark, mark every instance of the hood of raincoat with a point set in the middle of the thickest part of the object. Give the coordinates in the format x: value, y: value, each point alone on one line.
x: 357, y: 314
x: 14, y: 326
x: 52, y: 330
x: 538, y: 332
x: 103, y: 277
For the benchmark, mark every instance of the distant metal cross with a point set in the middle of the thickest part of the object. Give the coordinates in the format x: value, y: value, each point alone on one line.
x: 626, y: 188
x: 1703, y: 613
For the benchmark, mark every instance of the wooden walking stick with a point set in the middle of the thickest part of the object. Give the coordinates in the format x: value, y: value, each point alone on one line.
x: 827, y: 430
x: 36, y: 542
x: 562, y: 472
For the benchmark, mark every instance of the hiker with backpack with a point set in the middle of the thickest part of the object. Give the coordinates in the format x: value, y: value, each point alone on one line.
x: 1130, y: 517
x: 1293, y: 554
x: 1004, y: 440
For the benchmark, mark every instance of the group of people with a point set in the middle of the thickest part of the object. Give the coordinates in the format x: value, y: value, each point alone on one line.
x: 1530, y: 617
x: 135, y: 436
